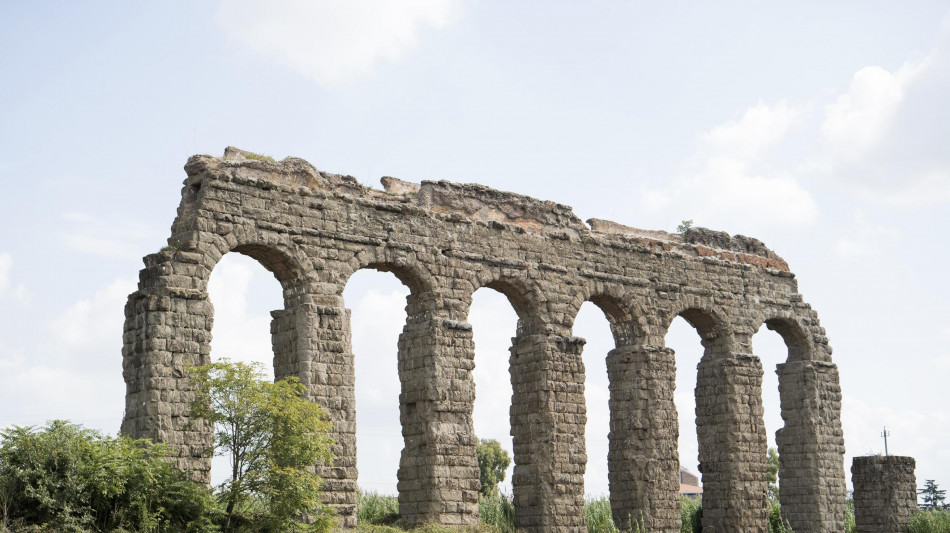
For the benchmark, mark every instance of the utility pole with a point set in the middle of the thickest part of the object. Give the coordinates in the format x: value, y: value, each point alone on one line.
x: 885, y: 434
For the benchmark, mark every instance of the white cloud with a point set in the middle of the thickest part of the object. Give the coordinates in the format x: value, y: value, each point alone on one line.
x: 333, y: 41
x: 731, y: 174
x: 929, y: 189
x: 97, y: 321
x: 6, y: 264
x: 865, y: 238
x: 760, y: 127
x: 116, y: 239
x: 859, y: 120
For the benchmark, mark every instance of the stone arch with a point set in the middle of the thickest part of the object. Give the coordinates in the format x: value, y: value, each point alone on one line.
x: 407, y: 269
x: 289, y: 265
x: 627, y: 320
x: 715, y: 331
x: 804, y: 397
x: 524, y: 296
x: 799, y: 343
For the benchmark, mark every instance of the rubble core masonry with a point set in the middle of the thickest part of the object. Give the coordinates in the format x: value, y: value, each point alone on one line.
x: 444, y: 241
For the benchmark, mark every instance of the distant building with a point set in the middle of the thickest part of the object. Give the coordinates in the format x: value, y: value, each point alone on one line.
x: 689, y: 484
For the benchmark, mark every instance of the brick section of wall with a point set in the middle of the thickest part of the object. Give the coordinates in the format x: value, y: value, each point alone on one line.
x: 313, y: 230
x: 732, y: 444
x: 643, y: 463
x: 885, y: 493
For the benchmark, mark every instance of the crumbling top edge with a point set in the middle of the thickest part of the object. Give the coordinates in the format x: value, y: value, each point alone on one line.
x: 703, y: 241
x: 476, y: 202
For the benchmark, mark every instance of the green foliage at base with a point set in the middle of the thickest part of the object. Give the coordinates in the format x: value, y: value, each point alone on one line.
x: 849, y: 524
x: 68, y: 479
x: 691, y: 515
x: 273, y: 437
x: 498, y: 512
x: 374, y: 509
x: 930, y: 522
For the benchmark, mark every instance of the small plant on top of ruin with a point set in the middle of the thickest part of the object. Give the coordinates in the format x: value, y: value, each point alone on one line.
x: 684, y: 226
x: 258, y: 157
x: 172, y: 247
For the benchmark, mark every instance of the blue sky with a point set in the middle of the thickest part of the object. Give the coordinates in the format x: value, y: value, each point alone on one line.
x: 823, y: 130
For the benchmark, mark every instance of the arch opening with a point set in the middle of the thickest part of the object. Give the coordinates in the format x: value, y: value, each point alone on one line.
x: 777, y: 341
x: 378, y: 304
x: 242, y: 292
x: 681, y: 338
x: 495, y: 321
x: 597, y: 322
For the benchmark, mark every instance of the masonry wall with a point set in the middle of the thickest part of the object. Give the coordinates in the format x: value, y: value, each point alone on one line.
x: 885, y: 493
x: 313, y: 230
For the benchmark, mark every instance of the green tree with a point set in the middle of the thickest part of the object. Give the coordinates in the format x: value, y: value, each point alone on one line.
x: 273, y: 438
x: 63, y: 477
x: 932, y: 495
x: 771, y: 473
x: 492, y: 463
x: 684, y: 226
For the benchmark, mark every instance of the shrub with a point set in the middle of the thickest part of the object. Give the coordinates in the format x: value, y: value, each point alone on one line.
x: 691, y: 514
x: 371, y: 508
x: 66, y: 478
x: 497, y: 511
x: 930, y: 522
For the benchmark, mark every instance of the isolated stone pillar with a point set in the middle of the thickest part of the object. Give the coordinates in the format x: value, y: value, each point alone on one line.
x: 438, y: 470
x: 885, y: 493
x: 312, y: 342
x: 643, y: 461
x: 548, y: 417
x: 732, y: 444
x: 812, y: 487
x: 167, y: 330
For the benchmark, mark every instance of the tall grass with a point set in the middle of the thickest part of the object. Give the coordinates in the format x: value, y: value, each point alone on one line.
x: 930, y: 522
x: 498, y: 512
x: 598, y: 516
x: 380, y: 514
x: 374, y: 509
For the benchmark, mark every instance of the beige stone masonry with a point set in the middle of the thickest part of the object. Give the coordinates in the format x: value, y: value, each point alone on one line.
x: 444, y: 240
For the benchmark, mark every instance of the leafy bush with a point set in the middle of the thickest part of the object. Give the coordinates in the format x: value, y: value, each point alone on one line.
x: 930, y: 522
x: 371, y: 508
x: 66, y: 478
x: 776, y: 524
x: 691, y: 514
x: 497, y: 511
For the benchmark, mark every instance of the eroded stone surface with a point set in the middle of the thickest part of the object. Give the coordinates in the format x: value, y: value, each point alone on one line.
x: 885, y: 493
x: 444, y: 240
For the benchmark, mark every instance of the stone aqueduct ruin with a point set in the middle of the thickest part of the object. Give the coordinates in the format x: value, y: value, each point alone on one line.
x: 444, y: 240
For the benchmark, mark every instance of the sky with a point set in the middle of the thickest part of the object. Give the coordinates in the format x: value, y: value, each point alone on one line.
x: 821, y: 128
